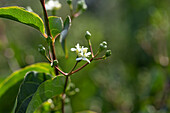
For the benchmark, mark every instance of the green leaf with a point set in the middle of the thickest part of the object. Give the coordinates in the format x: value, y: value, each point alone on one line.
x: 21, y: 15
x: 11, y: 85
x: 86, y: 112
x: 67, y: 24
x: 46, y: 90
x: 56, y: 25
x: 29, y: 86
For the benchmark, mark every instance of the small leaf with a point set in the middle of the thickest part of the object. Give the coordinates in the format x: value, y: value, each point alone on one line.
x: 19, y: 14
x: 56, y: 25
x: 28, y: 88
x: 46, y: 90
x: 11, y: 85
x: 67, y: 24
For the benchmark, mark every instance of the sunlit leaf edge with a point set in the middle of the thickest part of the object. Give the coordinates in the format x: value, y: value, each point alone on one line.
x: 20, y: 70
x: 40, y: 28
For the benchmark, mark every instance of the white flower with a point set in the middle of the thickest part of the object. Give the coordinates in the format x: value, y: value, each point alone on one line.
x: 84, y: 50
x: 77, y: 49
x: 83, y: 56
x: 52, y: 4
x: 81, y: 53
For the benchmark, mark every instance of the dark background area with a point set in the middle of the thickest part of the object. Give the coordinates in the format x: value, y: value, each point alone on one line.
x: 135, y: 79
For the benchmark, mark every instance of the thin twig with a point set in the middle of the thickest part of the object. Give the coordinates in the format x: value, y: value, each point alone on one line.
x: 65, y: 74
x: 81, y: 67
x: 90, y: 45
x: 74, y: 15
x: 73, y: 68
x: 100, y: 58
x: 71, y: 9
x: 84, y: 64
x: 48, y: 59
x: 46, y: 17
x: 65, y: 86
x: 49, y: 33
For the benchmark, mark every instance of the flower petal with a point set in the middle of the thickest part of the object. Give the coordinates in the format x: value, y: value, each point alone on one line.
x: 77, y: 46
x: 73, y: 49
x: 85, y: 59
x: 78, y: 59
x: 89, y: 53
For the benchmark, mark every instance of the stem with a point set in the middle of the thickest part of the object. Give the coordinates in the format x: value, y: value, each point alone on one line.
x: 65, y: 86
x: 73, y: 68
x: 46, y: 17
x: 100, y: 58
x: 96, y: 54
x: 74, y: 15
x: 84, y: 64
x: 90, y: 45
x: 81, y: 67
x: 71, y: 9
x: 49, y: 33
x: 48, y: 59
x: 65, y: 74
x: 53, y: 50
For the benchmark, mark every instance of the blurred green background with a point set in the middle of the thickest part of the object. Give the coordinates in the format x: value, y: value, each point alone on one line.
x: 135, y: 79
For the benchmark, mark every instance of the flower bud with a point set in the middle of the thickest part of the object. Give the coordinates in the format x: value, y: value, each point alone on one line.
x: 102, y: 46
x: 88, y: 35
x: 69, y: 2
x: 108, y: 53
x: 41, y: 49
x: 54, y: 63
x: 81, y: 5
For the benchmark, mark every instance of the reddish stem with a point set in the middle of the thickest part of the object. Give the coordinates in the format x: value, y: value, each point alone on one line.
x: 61, y: 71
x: 90, y: 45
x: 49, y: 33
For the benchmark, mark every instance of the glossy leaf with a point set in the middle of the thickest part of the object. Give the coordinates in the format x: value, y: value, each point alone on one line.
x: 67, y: 24
x: 11, y: 85
x: 21, y: 15
x: 29, y: 86
x: 46, y: 90
x: 56, y: 25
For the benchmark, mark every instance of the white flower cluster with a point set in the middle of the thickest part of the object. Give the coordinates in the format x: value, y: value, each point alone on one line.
x: 81, y: 53
x: 52, y: 4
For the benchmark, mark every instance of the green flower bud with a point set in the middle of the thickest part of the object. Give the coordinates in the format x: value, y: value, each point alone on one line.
x: 54, y: 63
x: 108, y: 53
x: 102, y: 46
x: 88, y: 35
x: 69, y: 2
x: 81, y: 5
x: 41, y: 49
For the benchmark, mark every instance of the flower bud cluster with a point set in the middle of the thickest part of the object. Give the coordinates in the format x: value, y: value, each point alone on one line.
x: 81, y: 5
x: 103, y: 46
x: 108, y: 53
